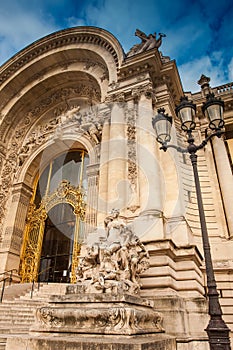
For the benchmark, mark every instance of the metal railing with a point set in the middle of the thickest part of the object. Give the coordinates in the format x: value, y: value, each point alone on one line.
x: 9, y: 278
x: 39, y: 282
x: 5, y: 279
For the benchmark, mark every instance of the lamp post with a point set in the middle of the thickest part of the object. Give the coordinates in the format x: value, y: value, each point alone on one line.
x: 217, y: 330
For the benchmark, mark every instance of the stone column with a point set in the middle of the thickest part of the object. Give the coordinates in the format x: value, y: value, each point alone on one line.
x: 225, y: 179
x: 92, y: 197
x: 176, y: 227
x: 15, y: 226
x: 149, y: 225
x: 117, y: 160
x: 103, y: 169
x: 174, y: 210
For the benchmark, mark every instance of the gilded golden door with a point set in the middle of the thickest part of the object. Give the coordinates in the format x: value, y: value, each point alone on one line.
x: 58, y: 194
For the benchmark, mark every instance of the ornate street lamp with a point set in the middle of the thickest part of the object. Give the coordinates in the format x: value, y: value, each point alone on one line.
x: 217, y: 330
x: 163, y: 126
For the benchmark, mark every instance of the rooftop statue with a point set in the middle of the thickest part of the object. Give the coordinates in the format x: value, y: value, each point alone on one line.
x: 114, y: 263
x: 147, y: 42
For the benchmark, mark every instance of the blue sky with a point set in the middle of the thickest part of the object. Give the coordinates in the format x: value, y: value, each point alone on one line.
x: 199, y: 33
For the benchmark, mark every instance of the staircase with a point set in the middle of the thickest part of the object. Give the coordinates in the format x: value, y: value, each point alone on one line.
x: 19, y: 304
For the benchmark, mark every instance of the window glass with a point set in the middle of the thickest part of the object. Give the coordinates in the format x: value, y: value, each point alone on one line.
x: 67, y: 166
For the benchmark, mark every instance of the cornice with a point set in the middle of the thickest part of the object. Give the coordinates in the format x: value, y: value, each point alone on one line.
x: 144, y: 62
x: 79, y: 35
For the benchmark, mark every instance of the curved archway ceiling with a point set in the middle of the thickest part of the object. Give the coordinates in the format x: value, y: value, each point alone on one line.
x: 58, y: 93
x: 67, y: 69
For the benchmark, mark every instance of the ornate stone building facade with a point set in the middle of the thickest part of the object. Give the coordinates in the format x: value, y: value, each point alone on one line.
x: 77, y: 141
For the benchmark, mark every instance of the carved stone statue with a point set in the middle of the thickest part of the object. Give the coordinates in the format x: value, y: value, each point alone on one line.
x: 113, y: 264
x: 93, y: 130
x: 105, y: 299
x: 147, y: 42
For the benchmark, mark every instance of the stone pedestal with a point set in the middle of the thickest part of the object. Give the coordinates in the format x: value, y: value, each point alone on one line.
x: 96, y: 313
x: 142, y: 342
x: 103, y: 310
x: 95, y: 322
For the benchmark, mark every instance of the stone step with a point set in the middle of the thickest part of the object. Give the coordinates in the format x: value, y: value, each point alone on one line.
x: 11, y: 323
x: 13, y: 330
x: 13, y: 311
x: 16, y: 313
x: 19, y: 305
x: 3, y: 346
x: 15, y: 290
x: 17, y: 320
x: 158, y: 341
x: 19, y: 302
x: 12, y: 319
x: 9, y: 314
x: 44, y: 291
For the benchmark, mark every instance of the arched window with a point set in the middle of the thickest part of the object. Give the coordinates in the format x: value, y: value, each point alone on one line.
x: 55, y: 221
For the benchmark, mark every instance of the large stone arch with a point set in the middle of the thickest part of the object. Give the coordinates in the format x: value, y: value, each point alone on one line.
x: 42, y: 87
x: 96, y: 39
x: 24, y: 182
x: 83, y: 48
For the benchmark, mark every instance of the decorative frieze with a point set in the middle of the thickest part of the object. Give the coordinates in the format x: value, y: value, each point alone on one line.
x: 135, y: 71
x: 132, y: 94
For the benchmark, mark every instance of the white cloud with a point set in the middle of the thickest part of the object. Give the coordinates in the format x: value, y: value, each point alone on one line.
x: 19, y: 27
x: 191, y: 72
x: 230, y: 70
x: 74, y: 21
x: 190, y: 39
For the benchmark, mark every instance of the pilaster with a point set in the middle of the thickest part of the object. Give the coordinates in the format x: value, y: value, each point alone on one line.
x: 103, y: 169
x: 117, y: 161
x: 149, y: 224
x: 92, y: 196
x: 14, y: 228
x: 225, y: 179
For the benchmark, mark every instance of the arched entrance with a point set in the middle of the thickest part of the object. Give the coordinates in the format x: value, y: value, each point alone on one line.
x: 55, y: 221
x: 57, y: 247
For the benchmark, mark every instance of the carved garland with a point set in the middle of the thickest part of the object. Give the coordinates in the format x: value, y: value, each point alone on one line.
x: 131, y: 142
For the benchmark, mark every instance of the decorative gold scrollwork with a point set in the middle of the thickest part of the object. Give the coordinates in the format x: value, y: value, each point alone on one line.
x: 34, y: 232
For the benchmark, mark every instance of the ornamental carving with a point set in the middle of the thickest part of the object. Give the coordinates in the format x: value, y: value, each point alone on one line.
x: 99, y: 318
x: 144, y: 89
x: 87, y: 123
x: 131, y: 114
x: 114, y: 262
x: 81, y: 90
x: 105, y: 299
